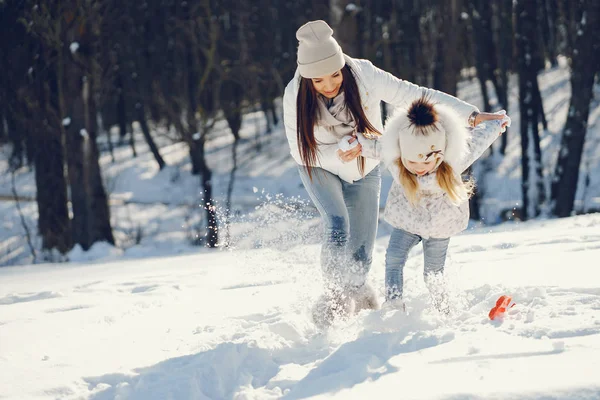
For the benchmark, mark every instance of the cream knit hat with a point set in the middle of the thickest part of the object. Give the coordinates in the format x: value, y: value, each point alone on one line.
x: 319, y: 54
x: 417, y: 147
x: 424, y: 137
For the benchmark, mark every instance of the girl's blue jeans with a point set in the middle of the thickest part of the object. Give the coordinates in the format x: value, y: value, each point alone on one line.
x: 401, y: 242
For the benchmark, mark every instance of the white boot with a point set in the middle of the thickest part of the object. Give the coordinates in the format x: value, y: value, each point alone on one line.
x: 394, y: 304
x: 441, y: 301
x: 331, y: 305
x: 439, y: 293
x: 365, y: 298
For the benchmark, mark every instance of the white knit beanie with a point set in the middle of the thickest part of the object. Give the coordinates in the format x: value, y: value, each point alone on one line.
x: 417, y: 147
x: 319, y: 54
x: 424, y: 137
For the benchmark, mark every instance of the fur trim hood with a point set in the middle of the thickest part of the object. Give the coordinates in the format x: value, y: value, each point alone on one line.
x: 457, y: 135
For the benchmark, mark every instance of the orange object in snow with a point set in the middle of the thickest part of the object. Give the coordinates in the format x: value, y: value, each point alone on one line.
x: 502, y: 304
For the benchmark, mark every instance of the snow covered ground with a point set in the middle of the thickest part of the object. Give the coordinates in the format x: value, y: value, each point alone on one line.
x: 235, y: 325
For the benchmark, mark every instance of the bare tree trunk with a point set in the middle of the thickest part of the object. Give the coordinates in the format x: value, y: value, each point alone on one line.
x: 474, y: 201
x: 16, y: 138
x: 196, y: 138
x: 568, y: 23
x: 211, y: 210
x: 566, y: 176
x: 101, y: 226
x: 232, y: 95
x: 540, y: 104
x: 147, y: 136
x: 532, y: 179
x: 274, y: 116
x: 77, y: 90
x: 132, y: 139
x: 3, y: 123
x: 447, y: 66
x: 267, y: 108
x: 77, y: 139
x: 407, y: 42
x: 22, y: 218
x: 230, y: 187
x: 122, y: 115
x: 212, y: 231
x: 485, y: 49
x: 345, y: 21
x: 491, y: 60
x: 505, y: 38
x: 483, y: 86
x: 100, y: 123
x: 53, y: 222
x: 232, y: 109
x: 547, y: 22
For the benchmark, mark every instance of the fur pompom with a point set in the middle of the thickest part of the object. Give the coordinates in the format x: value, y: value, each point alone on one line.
x: 422, y: 115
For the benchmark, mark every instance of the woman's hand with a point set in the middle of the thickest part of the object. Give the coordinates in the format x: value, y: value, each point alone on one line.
x: 484, y: 116
x: 347, y: 156
x: 497, y: 116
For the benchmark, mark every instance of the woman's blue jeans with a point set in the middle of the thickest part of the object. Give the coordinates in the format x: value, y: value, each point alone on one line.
x: 350, y: 213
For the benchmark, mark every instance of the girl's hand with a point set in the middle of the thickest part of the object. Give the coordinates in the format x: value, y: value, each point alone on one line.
x: 348, y: 142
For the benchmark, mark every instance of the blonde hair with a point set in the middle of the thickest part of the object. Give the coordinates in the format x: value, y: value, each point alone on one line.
x: 456, y: 189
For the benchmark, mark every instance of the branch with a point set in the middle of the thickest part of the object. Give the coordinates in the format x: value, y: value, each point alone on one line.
x: 209, y: 53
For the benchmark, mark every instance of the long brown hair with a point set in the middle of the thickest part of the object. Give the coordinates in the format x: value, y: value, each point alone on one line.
x: 306, y: 116
x: 456, y: 189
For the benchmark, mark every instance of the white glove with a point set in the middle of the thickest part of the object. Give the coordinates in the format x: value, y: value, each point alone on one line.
x: 345, y: 145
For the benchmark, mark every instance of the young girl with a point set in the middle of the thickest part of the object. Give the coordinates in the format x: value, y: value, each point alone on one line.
x: 426, y: 148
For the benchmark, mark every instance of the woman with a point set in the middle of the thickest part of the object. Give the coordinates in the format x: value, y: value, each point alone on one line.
x: 331, y: 98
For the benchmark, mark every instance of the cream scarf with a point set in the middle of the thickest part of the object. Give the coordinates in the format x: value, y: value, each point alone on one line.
x: 335, y: 116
